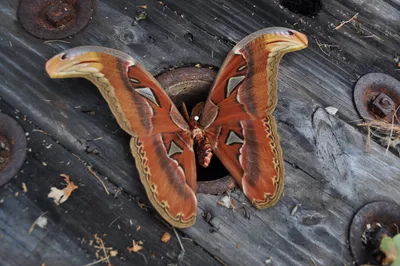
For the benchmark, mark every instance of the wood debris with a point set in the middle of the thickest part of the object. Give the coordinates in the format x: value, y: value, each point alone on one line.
x: 294, y: 209
x: 331, y: 110
x: 60, y: 196
x: 227, y: 202
x: 98, y: 178
x: 103, y: 253
x: 387, y: 133
x: 165, y: 237
x: 313, y: 261
x: 24, y: 187
x: 345, y: 22
x: 323, y: 46
x: 136, y: 246
x: 41, y: 221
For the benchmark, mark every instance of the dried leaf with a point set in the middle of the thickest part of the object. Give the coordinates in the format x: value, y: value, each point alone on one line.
x: 143, y: 6
x: 138, y: 228
x: 60, y: 196
x: 197, y: 65
x: 165, y: 237
x: 237, y: 245
x: 136, y: 246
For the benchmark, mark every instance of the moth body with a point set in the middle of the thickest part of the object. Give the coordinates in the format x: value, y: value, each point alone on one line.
x: 203, y: 147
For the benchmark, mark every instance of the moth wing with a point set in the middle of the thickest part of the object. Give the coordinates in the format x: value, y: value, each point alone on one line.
x: 160, y: 142
x: 251, y: 152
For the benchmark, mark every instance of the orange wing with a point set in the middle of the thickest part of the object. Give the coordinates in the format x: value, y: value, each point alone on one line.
x: 237, y: 116
x: 250, y: 151
x: 160, y: 142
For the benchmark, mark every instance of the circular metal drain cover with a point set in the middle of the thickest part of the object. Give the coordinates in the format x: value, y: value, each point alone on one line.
x: 12, y: 148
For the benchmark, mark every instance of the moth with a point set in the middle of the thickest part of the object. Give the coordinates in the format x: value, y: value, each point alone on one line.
x: 235, y: 123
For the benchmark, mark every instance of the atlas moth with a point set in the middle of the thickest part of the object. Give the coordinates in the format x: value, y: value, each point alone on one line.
x: 235, y: 123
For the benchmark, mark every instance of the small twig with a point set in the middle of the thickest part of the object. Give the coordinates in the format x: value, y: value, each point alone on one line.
x: 391, y: 128
x: 369, y: 139
x: 51, y: 41
x: 347, y: 21
x: 313, y: 261
x: 114, y: 221
x: 101, y: 181
x: 369, y: 36
x: 95, y: 262
x: 144, y: 257
x: 320, y: 45
x: 182, y: 253
x: 107, y: 258
x: 220, y: 261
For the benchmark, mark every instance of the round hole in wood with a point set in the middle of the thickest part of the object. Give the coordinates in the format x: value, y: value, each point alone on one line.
x: 12, y: 148
x: 303, y: 7
x: 191, y: 85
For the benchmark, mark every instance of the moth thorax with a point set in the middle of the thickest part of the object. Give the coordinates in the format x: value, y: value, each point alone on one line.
x: 203, y: 147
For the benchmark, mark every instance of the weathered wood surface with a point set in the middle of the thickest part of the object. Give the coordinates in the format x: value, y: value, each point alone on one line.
x: 328, y: 170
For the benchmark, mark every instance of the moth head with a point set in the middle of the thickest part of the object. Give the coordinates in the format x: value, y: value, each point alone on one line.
x: 86, y: 61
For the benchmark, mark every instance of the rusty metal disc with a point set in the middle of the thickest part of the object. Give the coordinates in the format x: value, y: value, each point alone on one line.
x: 12, y: 148
x: 377, y: 96
x: 192, y: 85
x: 55, y: 19
x: 384, y: 213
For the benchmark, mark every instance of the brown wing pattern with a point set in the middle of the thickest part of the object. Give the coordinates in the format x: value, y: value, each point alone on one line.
x: 239, y: 108
x: 160, y: 142
x: 251, y: 152
x: 166, y: 166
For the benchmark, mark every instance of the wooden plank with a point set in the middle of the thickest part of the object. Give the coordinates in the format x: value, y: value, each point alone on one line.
x: 116, y: 218
x: 328, y: 170
x: 232, y: 20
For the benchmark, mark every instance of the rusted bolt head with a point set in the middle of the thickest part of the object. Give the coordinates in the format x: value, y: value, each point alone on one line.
x: 192, y: 85
x: 12, y: 148
x: 382, y: 105
x: 60, y: 14
x: 55, y: 19
x: 377, y: 96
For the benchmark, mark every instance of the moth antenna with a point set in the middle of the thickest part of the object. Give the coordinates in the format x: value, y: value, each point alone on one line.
x: 185, y: 112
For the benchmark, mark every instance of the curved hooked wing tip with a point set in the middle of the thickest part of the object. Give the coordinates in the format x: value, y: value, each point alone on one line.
x: 275, y: 35
x: 83, y: 60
